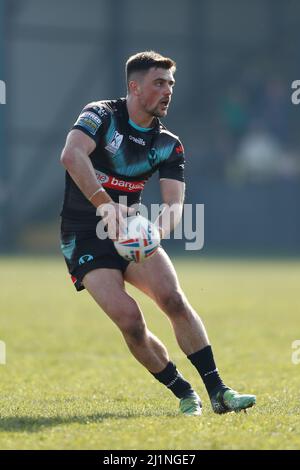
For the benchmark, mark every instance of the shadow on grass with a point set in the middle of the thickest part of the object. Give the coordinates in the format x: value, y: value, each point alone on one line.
x: 31, y: 424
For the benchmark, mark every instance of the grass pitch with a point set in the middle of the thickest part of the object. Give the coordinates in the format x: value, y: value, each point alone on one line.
x: 70, y: 383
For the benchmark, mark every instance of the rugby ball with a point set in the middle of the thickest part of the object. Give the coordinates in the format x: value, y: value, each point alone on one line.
x: 141, y: 239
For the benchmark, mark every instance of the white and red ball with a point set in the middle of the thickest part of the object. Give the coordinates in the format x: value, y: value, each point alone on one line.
x: 141, y: 239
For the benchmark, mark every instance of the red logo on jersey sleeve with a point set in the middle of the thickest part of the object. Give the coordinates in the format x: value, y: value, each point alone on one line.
x: 179, y: 149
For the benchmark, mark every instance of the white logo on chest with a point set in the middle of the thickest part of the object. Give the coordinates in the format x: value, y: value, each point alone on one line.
x: 137, y: 140
x: 114, y: 145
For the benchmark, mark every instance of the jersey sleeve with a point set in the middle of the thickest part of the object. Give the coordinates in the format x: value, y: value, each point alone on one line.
x: 173, y: 167
x: 92, y: 121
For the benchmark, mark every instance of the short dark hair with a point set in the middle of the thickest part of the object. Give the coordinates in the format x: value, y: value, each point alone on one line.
x: 143, y: 61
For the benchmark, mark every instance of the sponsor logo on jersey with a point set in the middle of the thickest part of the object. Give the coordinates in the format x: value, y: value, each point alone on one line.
x: 101, y: 177
x: 114, y: 145
x: 137, y: 140
x: 116, y: 183
x: 89, y: 121
x: 101, y: 111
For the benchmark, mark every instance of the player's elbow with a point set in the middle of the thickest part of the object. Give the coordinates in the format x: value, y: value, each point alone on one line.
x: 67, y: 157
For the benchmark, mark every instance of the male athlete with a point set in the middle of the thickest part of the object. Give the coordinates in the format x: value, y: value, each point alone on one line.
x: 111, y: 151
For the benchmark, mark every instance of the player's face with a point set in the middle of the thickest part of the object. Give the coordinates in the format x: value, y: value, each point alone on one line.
x: 155, y: 91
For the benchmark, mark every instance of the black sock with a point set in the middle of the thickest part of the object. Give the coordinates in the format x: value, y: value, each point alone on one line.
x: 173, y: 380
x: 204, y: 362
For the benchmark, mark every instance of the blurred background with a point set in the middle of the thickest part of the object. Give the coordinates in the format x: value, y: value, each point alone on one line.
x: 236, y: 60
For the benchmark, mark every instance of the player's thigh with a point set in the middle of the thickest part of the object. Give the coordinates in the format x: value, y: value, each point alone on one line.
x: 156, y: 277
x: 107, y: 288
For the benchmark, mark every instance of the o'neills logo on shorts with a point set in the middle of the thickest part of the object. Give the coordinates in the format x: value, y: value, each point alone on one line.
x: 116, y: 183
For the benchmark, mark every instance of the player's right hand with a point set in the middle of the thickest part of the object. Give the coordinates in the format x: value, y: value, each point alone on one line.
x: 113, y: 217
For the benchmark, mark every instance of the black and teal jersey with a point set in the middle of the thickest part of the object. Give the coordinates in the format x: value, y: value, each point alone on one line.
x: 125, y: 156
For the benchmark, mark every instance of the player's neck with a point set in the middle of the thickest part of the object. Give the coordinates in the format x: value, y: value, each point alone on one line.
x: 138, y: 116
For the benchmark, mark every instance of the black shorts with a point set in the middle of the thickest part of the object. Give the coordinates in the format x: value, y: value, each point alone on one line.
x: 84, y: 251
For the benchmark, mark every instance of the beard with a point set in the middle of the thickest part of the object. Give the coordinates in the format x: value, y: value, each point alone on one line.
x: 157, y: 111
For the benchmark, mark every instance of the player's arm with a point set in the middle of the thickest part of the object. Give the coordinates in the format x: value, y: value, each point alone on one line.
x: 75, y: 158
x: 172, y: 192
x: 171, y: 173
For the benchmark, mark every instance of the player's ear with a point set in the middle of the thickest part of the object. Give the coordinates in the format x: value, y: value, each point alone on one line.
x: 134, y: 87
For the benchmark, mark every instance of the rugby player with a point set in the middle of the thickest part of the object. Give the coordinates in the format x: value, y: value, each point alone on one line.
x: 111, y: 151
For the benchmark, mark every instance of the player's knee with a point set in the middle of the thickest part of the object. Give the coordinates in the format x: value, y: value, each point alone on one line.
x: 174, y: 303
x: 132, y: 323
x: 135, y: 332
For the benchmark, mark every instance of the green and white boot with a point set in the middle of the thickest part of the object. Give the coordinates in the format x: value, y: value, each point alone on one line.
x: 191, y: 405
x: 226, y: 400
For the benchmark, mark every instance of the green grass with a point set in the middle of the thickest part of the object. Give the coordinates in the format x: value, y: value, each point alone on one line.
x: 70, y: 383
